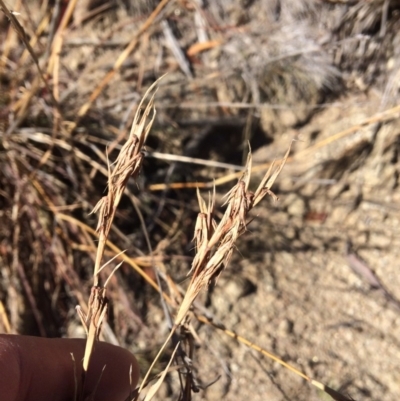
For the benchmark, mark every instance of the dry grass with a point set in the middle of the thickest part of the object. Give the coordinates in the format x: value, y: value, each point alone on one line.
x: 57, y: 117
x: 215, y: 243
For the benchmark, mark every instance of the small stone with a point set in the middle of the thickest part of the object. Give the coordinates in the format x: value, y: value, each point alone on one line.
x: 378, y: 240
x: 296, y: 205
x: 285, y: 327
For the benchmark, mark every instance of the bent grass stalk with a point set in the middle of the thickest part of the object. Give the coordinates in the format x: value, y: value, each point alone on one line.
x: 127, y: 164
x: 215, y: 242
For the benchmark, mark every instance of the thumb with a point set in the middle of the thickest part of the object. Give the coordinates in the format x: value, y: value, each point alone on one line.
x: 42, y: 369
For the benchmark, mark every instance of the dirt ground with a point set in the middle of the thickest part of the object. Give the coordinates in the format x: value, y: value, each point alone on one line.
x: 305, y: 303
x: 315, y: 278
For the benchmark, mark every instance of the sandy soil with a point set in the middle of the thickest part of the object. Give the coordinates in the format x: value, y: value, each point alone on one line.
x: 306, y: 304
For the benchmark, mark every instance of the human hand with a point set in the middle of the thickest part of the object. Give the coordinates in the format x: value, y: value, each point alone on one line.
x: 42, y: 369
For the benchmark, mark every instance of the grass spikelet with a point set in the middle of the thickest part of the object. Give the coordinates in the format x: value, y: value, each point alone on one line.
x: 215, y: 242
x: 127, y: 164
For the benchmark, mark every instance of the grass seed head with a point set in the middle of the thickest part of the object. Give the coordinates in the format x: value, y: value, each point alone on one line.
x: 214, y: 241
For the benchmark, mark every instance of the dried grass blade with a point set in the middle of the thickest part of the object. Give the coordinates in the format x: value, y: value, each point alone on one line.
x: 333, y: 393
x: 112, y: 259
x: 268, y: 181
x: 146, y: 377
x: 156, y: 386
x: 4, y: 317
x: 118, y: 63
x: 23, y: 36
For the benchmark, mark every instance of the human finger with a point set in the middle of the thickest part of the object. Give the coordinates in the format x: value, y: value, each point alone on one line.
x: 42, y: 369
